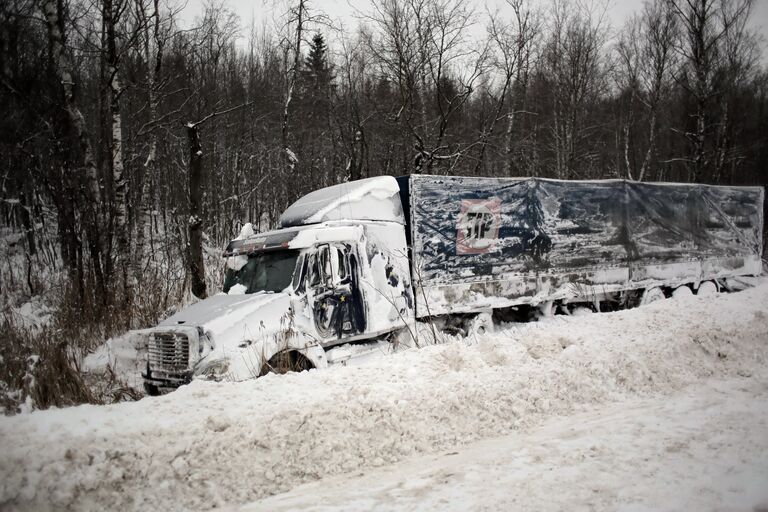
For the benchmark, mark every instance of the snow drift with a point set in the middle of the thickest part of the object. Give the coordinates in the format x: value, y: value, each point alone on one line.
x: 703, y: 448
x: 214, y: 443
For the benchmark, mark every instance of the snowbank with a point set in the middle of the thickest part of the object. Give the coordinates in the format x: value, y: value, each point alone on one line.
x: 125, y: 356
x: 705, y: 448
x: 209, y: 444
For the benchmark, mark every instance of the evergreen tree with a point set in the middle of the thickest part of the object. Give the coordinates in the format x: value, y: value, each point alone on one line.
x: 317, y: 73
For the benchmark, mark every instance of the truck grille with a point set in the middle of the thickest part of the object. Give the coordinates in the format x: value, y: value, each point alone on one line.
x: 169, y: 351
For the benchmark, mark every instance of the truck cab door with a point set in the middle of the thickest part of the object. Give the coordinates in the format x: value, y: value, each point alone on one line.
x: 336, y: 302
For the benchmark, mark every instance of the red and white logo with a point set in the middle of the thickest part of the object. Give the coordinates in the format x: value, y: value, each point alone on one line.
x: 477, y: 229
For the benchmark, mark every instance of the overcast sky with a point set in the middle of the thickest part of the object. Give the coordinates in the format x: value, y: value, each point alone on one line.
x: 343, y: 12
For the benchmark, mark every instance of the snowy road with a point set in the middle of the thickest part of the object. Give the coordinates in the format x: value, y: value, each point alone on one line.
x: 667, y: 404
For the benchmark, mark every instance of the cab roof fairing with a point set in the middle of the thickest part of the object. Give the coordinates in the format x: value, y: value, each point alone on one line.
x: 368, y: 199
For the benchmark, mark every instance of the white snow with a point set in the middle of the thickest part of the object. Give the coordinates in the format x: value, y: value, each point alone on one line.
x: 704, y: 448
x: 368, y: 199
x: 33, y: 314
x: 671, y: 396
x: 237, y: 289
x: 246, y: 231
x: 125, y: 356
x: 237, y: 262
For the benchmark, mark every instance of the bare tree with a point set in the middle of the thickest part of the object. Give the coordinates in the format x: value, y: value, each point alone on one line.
x: 399, y: 44
x: 153, y: 42
x: 704, y: 25
x: 423, y: 49
x: 512, y: 52
x: 53, y: 11
x: 299, y: 16
x: 112, y: 11
x: 739, y: 57
x: 574, y: 67
x: 627, y: 75
x: 195, y: 185
x: 196, y: 191
x: 352, y: 117
x: 658, y: 35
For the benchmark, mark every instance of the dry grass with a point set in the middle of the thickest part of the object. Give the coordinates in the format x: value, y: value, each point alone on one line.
x: 41, y: 366
x: 39, y: 370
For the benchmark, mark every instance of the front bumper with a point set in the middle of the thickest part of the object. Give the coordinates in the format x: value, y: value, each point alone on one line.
x: 163, y: 382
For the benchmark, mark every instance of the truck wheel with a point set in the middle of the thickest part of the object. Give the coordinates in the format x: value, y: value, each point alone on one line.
x: 480, y: 324
x: 151, y: 389
x: 581, y: 310
x: 682, y: 291
x: 545, y: 310
x: 652, y: 295
x: 707, y: 288
x: 286, y: 361
x: 405, y: 337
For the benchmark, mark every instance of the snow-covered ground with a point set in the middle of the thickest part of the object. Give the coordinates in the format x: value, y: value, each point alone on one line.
x: 659, y: 407
x: 704, y: 448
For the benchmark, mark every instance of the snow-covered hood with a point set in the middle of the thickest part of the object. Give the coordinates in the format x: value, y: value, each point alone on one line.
x: 231, y: 319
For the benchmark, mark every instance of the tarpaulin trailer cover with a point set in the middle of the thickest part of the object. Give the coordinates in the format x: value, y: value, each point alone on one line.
x: 482, y: 243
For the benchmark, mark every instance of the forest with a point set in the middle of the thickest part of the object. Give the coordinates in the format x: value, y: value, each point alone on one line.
x: 135, y: 146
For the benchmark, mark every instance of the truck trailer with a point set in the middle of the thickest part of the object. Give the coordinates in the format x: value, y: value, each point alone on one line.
x: 358, y: 264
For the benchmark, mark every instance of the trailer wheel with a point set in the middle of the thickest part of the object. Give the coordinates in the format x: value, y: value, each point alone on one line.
x: 581, y: 309
x: 480, y: 324
x: 545, y: 310
x: 682, y: 291
x: 652, y: 295
x: 707, y: 288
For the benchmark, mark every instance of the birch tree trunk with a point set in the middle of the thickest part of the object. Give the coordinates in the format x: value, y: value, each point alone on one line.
x: 119, y: 183
x: 53, y: 11
x: 289, y: 155
x: 144, y: 219
x: 651, y: 145
x: 627, y: 134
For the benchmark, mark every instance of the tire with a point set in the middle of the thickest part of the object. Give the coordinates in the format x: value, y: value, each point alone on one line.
x: 707, y: 288
x: 545, y: 310
x: 480, y: 325
x: 682, y: 291
x: 286, y: 361
x: 151, y: 389
x: 651, y: 295
x: 403, y: 338
x: 578, y: 310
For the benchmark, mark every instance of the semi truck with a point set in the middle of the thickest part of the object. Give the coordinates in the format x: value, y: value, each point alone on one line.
x: 355, y: 267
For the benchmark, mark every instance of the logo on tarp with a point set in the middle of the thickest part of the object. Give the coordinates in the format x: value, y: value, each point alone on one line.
x: 477, y: 229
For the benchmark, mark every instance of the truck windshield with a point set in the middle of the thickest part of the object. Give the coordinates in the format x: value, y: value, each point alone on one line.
x: 265, y: 271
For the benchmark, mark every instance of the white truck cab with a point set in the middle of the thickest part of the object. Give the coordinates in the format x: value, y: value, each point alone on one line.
x: 335, y: 272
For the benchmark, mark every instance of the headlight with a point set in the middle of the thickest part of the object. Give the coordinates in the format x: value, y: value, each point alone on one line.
x: 205, y: 343
x: 214, y: 370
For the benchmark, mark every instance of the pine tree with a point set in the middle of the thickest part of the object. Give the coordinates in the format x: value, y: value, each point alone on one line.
x: 317, y: 73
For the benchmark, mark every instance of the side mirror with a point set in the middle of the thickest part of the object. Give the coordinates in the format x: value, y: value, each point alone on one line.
x: 300, y: 274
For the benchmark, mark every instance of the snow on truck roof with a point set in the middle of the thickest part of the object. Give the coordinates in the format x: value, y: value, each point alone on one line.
x: 296, y: 237
x: 367, y: 199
